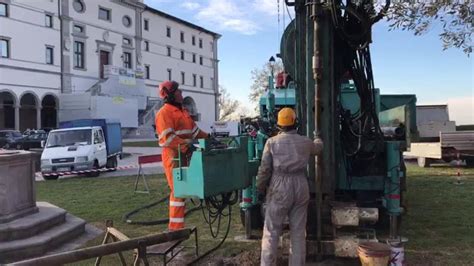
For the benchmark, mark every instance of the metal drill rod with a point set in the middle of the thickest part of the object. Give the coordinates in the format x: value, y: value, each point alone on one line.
x: 316, y: 15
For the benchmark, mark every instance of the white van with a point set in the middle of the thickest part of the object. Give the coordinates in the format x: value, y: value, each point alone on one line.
x: 73, y: 149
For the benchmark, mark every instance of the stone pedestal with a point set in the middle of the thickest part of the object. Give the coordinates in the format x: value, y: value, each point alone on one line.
x: 28, y: 228
x: 17, y: 185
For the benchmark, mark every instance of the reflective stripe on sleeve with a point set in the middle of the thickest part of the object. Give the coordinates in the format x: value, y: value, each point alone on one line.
x: 165, y: 132
x: 168, y: 141
x: 183, y: 132
x: 196, y: 133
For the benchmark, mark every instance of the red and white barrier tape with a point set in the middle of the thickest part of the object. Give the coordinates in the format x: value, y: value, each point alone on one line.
x: 458, y: 171
x: 131, y: 166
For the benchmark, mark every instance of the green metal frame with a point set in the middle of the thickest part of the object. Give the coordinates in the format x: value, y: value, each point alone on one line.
x: 214, y: 171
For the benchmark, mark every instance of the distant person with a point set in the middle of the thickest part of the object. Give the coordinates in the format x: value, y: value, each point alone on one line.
x: 175, y: 128
x: 282, y: 176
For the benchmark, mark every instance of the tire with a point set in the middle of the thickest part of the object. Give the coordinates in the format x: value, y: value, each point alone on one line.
x: 7, y: 146
x: 95, y: 167
x: 112, y: 162
x: 19, y: 147
x: 423, y: 162
x: 51, y: 177
x: 470, y: 162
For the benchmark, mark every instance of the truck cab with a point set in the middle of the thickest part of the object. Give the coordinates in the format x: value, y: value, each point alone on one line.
x: 74, y: 149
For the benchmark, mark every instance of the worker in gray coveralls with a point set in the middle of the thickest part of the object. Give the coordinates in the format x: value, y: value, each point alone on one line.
x: 282, y: 176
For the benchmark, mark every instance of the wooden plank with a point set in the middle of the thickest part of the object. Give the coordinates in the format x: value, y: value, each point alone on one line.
x: 107, y: 249
x: 116, y: 233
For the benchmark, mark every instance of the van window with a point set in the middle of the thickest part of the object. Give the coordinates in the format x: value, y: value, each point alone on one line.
x: 96, y: 137
x: 69, y: 138
x: 101, y: 136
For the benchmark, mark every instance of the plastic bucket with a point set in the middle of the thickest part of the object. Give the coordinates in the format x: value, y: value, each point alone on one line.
x: 374, y: 254
x: 397, y: 256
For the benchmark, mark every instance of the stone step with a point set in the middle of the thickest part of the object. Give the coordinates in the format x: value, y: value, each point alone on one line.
x: 43, y: 242
x: 47, y: 217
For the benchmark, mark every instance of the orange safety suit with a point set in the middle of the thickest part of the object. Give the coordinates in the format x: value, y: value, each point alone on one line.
x: 175, y: 127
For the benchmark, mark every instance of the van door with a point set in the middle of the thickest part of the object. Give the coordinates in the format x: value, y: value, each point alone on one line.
x: 100, y: 149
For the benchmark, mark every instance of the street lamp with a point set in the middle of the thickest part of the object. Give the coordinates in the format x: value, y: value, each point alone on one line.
x: 272, y: 63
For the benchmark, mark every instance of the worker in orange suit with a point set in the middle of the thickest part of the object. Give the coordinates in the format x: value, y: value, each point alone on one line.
x: 176, y: 131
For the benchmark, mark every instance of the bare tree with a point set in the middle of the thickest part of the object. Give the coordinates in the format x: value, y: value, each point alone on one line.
x: 260, y: 79
x: 454, y: 16
x: 227, y: 105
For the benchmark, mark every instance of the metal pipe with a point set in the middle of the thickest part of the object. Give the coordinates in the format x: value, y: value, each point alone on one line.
x: 106, y: 249
x: 394, y: 232
x: 316, y: 15
x: 396, y: 132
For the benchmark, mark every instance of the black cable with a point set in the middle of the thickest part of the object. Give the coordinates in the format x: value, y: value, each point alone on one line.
x: 288, y: 11
x: 220, y: 243
x: 127, y: 217
x: 215, y: 211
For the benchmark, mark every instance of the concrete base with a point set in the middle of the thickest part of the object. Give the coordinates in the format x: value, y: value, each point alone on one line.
x: 18, y: 214
x: 34, y: 235
x: 17, y: 185
x: 48, y: 216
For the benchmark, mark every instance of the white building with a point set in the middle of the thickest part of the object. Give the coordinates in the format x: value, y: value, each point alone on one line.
x: 68, y: 59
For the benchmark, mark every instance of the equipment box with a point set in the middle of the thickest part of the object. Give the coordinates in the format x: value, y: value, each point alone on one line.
x: 214, y: 170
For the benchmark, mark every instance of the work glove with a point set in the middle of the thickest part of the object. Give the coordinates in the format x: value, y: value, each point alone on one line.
x: 190, y: 148
x: 261, y: 196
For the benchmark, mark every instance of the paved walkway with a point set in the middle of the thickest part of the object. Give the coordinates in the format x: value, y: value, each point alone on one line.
x: 132, y: 154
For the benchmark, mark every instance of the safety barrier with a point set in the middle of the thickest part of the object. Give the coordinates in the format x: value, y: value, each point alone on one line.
x: 145, y: 159
x: 101, y: 170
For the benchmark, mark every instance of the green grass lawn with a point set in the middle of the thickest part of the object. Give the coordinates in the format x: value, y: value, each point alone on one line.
x: 99, y: 199
x: 439, y: 222
x: 151, y: 143
x: 440, y: 219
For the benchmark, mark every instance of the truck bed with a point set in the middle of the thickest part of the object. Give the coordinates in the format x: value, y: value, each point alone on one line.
x: 460, y: 140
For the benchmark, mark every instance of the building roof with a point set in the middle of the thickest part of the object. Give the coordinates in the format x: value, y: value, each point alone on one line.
x: 187, y: 23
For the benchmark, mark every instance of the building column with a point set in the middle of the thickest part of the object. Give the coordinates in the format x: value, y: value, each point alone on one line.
x: 38, y: 117
x: 17, y: 117
x: 57, y: 118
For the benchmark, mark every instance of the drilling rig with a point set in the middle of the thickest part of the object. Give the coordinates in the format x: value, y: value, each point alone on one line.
x: 357, y: 183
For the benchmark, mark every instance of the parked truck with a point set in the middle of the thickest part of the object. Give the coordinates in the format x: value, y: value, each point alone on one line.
x: 438, y: 138
x: 81, y: 145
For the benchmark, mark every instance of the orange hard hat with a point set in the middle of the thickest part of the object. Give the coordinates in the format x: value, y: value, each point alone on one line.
x: 167, y: 87
x: 286, y: 117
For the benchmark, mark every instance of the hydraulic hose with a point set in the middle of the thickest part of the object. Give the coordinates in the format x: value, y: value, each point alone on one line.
x: 215, y: 211
x: 215, y: 208
x: 127, y: 216
x: 193, y: 262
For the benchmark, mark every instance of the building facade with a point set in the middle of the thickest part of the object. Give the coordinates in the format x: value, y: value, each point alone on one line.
x: 63, y: 59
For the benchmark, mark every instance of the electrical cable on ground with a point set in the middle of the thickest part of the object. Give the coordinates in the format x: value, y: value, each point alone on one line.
x: 127, y: 216
x: 215, y: 207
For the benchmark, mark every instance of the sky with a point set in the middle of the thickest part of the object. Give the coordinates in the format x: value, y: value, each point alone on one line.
x: 402, y: 63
